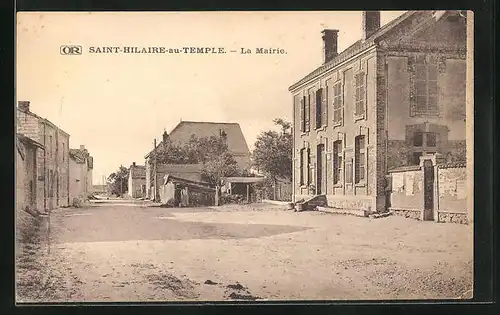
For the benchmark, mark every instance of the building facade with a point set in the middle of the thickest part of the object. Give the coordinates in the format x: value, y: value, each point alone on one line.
x: 394, y: 95
x: 137, y: 181
x: 81, y: 167
x: 182, y: 133
x: 52, y: 164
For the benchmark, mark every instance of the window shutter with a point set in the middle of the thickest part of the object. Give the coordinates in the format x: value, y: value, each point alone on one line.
x: 312, y: 101
x: 302, y: 113
x: 307, y: 114
x: 324, y: 106
x: 319, y: 108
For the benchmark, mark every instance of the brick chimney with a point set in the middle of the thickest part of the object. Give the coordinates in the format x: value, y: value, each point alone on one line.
x: 24, y: 105
x: 370, y: 23
x: 133, y: 163
x: 330, y: 39
x: 82, y: 147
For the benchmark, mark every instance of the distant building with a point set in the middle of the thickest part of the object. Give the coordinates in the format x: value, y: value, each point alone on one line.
x: 81, y: 166
x: 191, y: 172
x: 181, y: 134
x: 137, y: 181
x: 393, y: 96
x: 52, y: 163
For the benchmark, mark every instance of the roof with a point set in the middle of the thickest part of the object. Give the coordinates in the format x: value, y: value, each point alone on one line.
x: 179, y: 168
x: 405, y: 168
x: 26, y: 140
x: 79, y: 155
x: 244, y: 179
x: 185, y: 129
x: 189, y: 183
x: 353, y: 50
x: 138, y: 171
x: 461, y: 164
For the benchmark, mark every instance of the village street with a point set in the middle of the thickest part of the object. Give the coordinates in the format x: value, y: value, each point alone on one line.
x: 131, y: 252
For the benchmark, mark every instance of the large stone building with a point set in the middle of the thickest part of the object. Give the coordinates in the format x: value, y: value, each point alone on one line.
x: 81, y: 165
x: 181, y: 134
x: 52, y: 163
x: 394, y: 95
x: 137, y: 181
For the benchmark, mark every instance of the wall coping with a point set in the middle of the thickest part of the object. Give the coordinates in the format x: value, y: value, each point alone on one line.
x: 405, y: 169
x: 453, y: 165
x: 404, y: 209
x: 452, y: 212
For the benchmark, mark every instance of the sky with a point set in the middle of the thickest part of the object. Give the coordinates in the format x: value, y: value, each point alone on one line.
x: 116, y: 104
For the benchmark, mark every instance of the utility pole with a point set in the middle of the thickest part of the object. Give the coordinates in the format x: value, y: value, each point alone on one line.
x: 154, y: 171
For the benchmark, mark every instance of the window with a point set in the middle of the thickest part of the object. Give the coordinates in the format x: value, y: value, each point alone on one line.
x: 307, y: 113
x: 337, y: 161
x: 431, y: 139
x: 302, y: 114
x: 423, y: 143
x: 63, y: 152
x: 359, y: 80
x: 418, y: 139
x: 425, y: 86
x: 337, y: 103
x: 348, y: 173
x: 319, y: 108
x: 301, y: 167
x: 309, y: 169
x: 359, y: 157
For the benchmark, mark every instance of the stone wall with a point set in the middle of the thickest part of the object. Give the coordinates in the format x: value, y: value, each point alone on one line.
x: 452, y: 188
x: 452, y: 217
x: 408, y: 213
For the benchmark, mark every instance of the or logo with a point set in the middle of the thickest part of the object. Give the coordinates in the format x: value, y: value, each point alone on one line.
x: 71, y: 50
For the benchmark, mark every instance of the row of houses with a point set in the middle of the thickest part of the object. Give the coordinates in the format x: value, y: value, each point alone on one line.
x: 394, y: 98
x: 49, y: 174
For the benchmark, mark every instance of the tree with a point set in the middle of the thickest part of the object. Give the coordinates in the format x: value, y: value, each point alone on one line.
x: 212, y: 152
x: 117, y: 182
x: 273, y: 152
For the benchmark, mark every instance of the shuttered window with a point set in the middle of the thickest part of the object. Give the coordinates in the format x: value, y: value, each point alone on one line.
x: 424, y: 96
x: 302, y: 167
x: 307, y: 113
x: 360, y: 92
x: 302, y: 114
x: 319, y: 108
x: 309, y: 169
x: 337, y: 103
x: 337, y: 161
x: 359, y: 159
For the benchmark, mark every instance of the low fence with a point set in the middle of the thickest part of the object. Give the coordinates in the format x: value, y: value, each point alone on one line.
x: 282, y: 191
x: 444, y: 199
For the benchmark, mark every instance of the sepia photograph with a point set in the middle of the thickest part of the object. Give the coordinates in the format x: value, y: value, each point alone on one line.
x: 244, y: 156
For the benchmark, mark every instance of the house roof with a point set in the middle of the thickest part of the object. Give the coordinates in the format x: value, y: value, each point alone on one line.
x: 353, y: 50
x: 244, y: 180
x: 138, y: 171
x: 179, y: 168
x: 79, y: 155
x: 185, y: 129
x: 44, y: 120
x: 189, y: 183
x: 24, y: 139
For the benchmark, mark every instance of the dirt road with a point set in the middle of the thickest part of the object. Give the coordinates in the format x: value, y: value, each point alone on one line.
x: 259, y: 252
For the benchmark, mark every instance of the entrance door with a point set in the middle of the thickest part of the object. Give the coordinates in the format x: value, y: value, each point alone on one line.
x: 319, y: 168
x: 428, y: 190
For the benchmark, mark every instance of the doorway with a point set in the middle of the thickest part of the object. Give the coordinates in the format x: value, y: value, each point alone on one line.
x: 319, y: 168
x: 428, y: 191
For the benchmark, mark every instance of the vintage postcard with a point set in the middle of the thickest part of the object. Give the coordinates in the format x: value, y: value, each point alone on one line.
x: 244, y: 156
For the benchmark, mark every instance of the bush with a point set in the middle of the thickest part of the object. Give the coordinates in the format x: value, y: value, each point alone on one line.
x: 77, y: 202
x: 231, y: 199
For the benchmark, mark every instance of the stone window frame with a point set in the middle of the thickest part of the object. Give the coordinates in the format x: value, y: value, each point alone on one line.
x: 426, y: 61
x: 338, y: 99
x: 441, y: 133
x: 360, y: 98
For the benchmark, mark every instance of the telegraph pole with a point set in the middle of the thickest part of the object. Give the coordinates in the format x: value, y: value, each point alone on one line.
x: 154, y: 171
